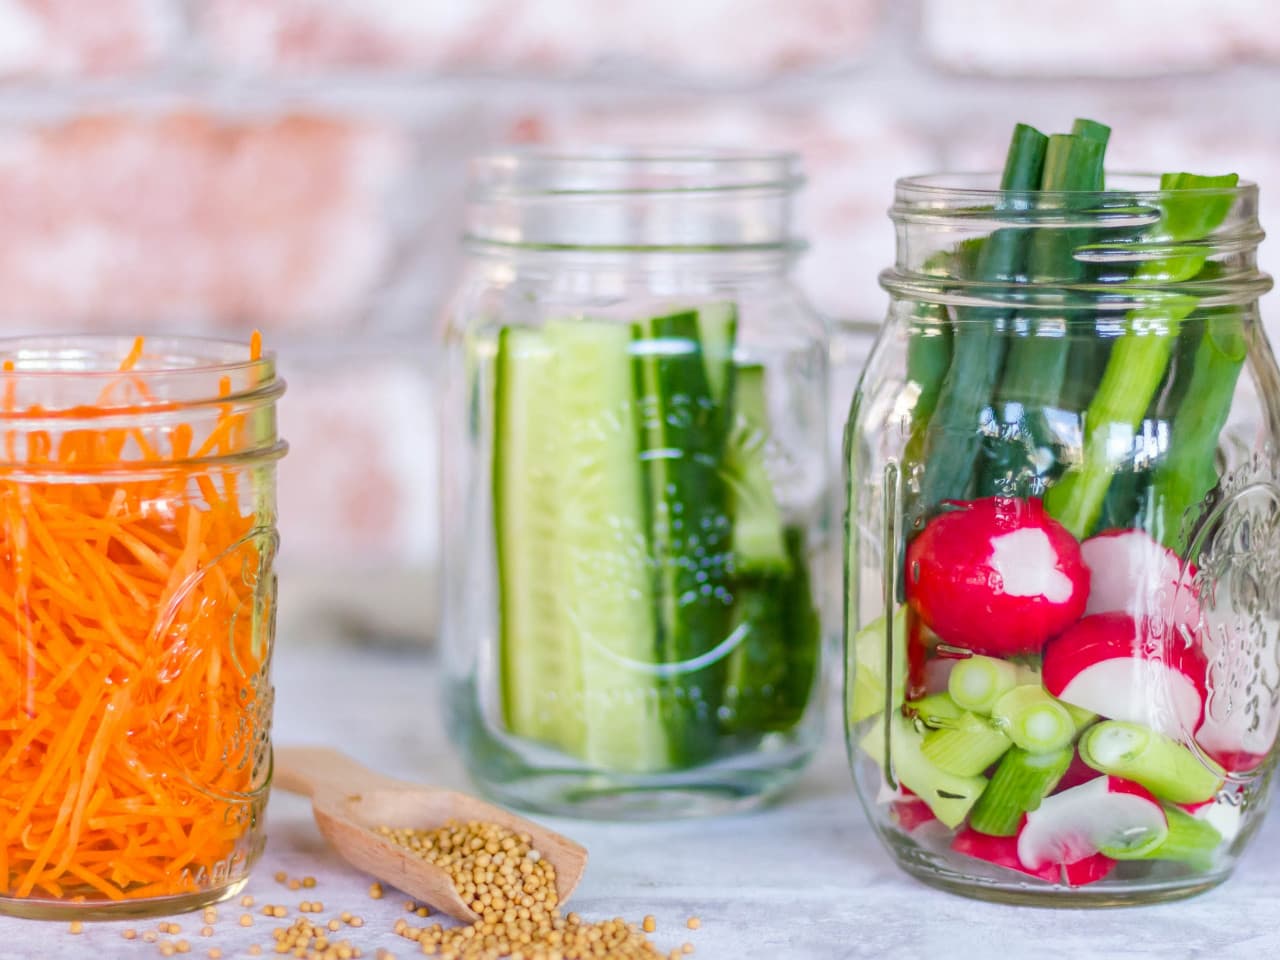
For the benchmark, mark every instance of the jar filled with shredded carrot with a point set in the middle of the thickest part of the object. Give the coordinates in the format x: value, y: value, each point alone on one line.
x: 137, y: 602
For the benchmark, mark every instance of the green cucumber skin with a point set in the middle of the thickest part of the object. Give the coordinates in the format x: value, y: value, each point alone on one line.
x: 683, y: 431
x: 773, y: 670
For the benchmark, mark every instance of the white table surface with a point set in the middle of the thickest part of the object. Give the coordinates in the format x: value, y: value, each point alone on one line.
x: 803, y: 879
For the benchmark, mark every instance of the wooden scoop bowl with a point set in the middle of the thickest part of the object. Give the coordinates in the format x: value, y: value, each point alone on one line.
x: 350, y: 802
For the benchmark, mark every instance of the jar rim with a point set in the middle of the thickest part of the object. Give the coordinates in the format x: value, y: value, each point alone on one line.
x: 982, y: 185
x: 202, y: 355
x: 539, y: 171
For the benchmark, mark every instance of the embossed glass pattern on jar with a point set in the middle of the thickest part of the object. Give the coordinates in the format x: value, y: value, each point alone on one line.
x: 636, y: 495
x: 1062, y: 653
x: 137, y: 608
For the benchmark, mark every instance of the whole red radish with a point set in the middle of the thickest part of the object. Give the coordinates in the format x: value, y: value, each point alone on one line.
x: 1118, y: 667
x: 997, y: 576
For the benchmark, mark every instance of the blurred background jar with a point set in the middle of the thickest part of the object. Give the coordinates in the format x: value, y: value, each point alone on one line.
x: 635, y: 495
x: 1061, y: 661
x: 138, y: 602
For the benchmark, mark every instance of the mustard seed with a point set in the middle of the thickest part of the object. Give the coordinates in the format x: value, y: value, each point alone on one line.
x: 693, y: 923
x: 76, y: 927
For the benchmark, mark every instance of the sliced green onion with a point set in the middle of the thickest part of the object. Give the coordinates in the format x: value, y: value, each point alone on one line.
x: 950, y: 797
x: 1163, y: 766
x: 1033, y: 720
x: 936, y: 710
x: 871, y: 674
x: 978, y: 682
x: 967, y: 748
x: 1191, y: 841
x: 1019, y: 784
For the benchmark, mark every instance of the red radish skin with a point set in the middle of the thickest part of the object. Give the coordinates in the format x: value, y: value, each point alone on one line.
x: 1003, y: 852
x: 1073, y: 825
x: 1113, y: 665
x: 997, y: 576
x: 1131, y: 573
x: 1079, y: 772
x: 1232, y: 761
x: 1086, y: 871
x: 911, y: 813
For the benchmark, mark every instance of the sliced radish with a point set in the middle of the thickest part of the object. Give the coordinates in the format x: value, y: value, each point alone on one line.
x: 1130, y: 573
x: 1240, y: 716
x: 937, y: 674
x: 1079, y: 772
x: 910, y: 813
x: 1003, y: 852
x: 1115, y: 666
x: 996, y: 576
x: 1105, y: 815
x: 1226, y: 818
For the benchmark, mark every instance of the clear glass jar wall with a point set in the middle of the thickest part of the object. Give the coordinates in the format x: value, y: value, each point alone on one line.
x: 1063, y: 527
x: 137, y: 535
x: 636, y: 496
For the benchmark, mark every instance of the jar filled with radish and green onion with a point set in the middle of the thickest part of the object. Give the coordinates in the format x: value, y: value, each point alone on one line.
x: 1063, y: 532
x: 636, y: 494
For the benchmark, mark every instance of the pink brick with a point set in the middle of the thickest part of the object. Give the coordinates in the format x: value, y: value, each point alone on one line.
x: 852, y: 154
x: 1102, y: 38
x: 41, y: 38
x: 181, y: 218
x: 711, y: 38
x: 358, y: 487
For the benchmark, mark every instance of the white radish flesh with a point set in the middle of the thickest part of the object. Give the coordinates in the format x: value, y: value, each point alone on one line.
x: 1131, y: 573
x: 1089, y: 819
x: 1146, y: 692
x: 1027, y: 565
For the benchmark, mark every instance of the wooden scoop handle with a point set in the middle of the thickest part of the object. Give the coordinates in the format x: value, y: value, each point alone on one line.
x: 320, y: 770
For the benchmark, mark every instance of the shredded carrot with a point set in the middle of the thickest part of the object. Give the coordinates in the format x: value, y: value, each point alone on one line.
x: 134, y: 639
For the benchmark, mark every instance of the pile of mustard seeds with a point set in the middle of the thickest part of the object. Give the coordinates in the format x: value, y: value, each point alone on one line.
x: 512, y: 889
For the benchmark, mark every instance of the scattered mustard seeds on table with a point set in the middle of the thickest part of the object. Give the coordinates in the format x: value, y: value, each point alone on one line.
x: 512, y: 888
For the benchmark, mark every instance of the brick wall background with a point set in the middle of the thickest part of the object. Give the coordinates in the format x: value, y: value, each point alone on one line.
x: 215, y: 165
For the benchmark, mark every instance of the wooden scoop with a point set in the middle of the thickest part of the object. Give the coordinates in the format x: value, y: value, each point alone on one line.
x: 350, y: 802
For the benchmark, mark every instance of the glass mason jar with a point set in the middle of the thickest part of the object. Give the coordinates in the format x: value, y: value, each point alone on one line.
x: 1063, y: 534
x: 635, y: 500
x: 137, y: 606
